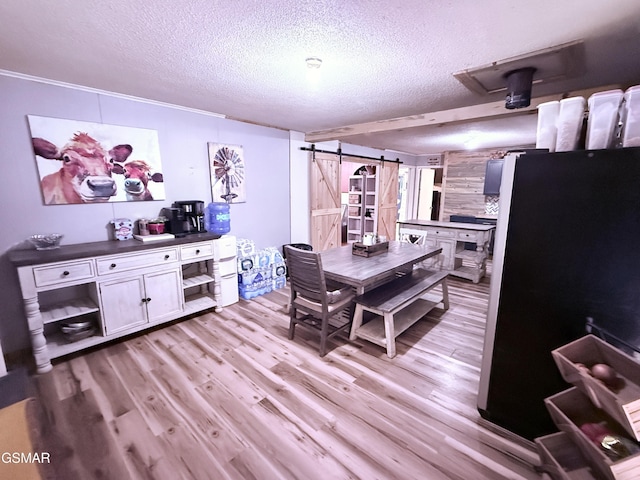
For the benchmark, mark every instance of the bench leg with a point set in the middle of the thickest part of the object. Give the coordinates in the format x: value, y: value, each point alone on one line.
x: 390, y: 335
x: 357, y: 322
x: 445, y: 294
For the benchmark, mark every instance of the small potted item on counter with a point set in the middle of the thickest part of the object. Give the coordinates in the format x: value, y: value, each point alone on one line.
x: 143, y: 226
x: 156, y: 226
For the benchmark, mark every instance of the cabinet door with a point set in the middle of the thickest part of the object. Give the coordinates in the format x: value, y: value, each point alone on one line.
x: 164, y: 294
x: 444, y: 260
x: 123, y: 304
x: 448, y: 253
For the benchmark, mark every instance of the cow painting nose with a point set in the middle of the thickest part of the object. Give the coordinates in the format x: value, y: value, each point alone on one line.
x: 102, y: 186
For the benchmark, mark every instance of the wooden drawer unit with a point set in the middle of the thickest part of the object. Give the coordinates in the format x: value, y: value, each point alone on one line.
x: 623, y: 403
x: 196, y: 251
x: 61, y: 273
x: 571, y: 409
x: 133, y: 261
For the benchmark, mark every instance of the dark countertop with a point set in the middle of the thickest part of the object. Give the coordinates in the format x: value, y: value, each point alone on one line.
x: 24, y: 257
x: 465, y: 226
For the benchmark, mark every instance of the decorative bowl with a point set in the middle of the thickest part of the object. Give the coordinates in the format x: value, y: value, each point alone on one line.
x: 46, y: 242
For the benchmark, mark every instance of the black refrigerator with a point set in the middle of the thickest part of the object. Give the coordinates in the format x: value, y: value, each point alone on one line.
x: 567, y: 250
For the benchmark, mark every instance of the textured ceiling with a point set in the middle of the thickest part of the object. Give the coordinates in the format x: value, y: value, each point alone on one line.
x: 381, y: 59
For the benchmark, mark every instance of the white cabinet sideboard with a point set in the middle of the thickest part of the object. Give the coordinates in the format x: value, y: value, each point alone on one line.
x: 120, y: 287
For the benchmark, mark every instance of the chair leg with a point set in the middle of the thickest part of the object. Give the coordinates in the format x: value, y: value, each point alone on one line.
x: 324, y: 331
x: 292, y: 321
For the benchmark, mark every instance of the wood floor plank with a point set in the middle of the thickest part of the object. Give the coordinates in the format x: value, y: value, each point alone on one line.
x: 144, y: 453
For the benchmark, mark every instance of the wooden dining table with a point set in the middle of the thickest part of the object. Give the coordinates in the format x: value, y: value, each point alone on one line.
x: 364, y: 273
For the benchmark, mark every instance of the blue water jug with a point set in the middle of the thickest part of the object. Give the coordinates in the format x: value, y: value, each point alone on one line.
x: 218, y: 214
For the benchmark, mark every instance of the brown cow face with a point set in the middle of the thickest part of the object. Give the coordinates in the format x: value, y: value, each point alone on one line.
x: 137, y: 174
x: 87, y: 166
x: 85, y: 175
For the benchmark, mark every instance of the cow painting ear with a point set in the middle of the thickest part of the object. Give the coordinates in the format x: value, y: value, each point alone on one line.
x: 120, y: 153
x: 45, y: 148
x: 118, y: 169
x: 157, y: 177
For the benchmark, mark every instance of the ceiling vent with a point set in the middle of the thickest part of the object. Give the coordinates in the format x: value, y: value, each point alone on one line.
x: 549, y: 65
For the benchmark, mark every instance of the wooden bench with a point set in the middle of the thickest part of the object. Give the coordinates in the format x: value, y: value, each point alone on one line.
x: 398, y: 305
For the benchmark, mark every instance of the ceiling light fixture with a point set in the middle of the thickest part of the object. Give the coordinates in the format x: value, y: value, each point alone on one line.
x: 313, y: 62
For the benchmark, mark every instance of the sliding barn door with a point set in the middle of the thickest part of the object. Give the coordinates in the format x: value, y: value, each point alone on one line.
x: 387, y: 173
x: 326, y: 211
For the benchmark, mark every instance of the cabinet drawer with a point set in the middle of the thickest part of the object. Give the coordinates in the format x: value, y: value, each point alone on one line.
x: 228, y: 267
x: 468, y: 236
x: 561, y: 458
x: 441, y: 233
x: 63, y: 272
x: 225, y: 247
x: 196, y: 251
x: 121, y: 263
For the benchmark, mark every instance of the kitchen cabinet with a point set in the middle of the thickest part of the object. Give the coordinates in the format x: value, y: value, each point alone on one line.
x: 363, y: 203
x: 119, y: 287
x: 127, y: 303
x: 452, y: 237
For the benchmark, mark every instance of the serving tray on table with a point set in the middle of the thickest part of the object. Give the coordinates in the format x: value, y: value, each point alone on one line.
x: 362, y: 250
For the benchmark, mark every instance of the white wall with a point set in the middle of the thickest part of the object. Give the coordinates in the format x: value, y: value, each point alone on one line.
x: 183, y: 137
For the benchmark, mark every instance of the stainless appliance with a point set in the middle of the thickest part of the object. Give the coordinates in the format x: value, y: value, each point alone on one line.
x: 565, y: 252
x: 193, y: 211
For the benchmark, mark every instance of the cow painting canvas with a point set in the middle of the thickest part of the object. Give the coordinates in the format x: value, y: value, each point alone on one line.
x: 83, y: 162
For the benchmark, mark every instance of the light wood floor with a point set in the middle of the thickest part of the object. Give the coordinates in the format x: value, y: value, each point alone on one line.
x: 229, y: 396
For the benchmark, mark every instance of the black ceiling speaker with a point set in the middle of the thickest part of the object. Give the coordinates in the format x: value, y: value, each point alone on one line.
x: 519, y: 87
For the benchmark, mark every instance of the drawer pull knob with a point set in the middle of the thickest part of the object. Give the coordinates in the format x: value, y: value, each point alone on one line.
x: 198, y: 252
x: 166, y: 257
x: 113, y: 265
x: 65, y: 273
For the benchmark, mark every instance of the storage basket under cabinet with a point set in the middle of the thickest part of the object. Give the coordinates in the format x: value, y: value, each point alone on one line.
x: 590, y: 401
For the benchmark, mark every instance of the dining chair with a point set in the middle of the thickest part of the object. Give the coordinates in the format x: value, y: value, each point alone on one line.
x: 413, y: 235
x: 323, y: 307
x: 417, y: 237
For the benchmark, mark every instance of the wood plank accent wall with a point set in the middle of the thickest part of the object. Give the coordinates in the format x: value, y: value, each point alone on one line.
x: 463, y: 182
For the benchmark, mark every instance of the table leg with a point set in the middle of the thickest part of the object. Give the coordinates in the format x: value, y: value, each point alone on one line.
x: 357, y: 322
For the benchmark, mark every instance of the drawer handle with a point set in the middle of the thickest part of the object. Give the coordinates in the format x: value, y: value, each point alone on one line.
x: 166, y: 257
x: 113, y: 265
x: 65, y: 273
x: 198, y: 252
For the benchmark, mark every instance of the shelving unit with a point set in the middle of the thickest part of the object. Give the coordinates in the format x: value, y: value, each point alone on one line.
x: 197, y: 283
x: 363, y: 201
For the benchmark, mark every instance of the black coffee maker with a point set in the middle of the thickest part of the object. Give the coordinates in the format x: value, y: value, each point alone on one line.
x: 193, y: 211
x: 175, y: 222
